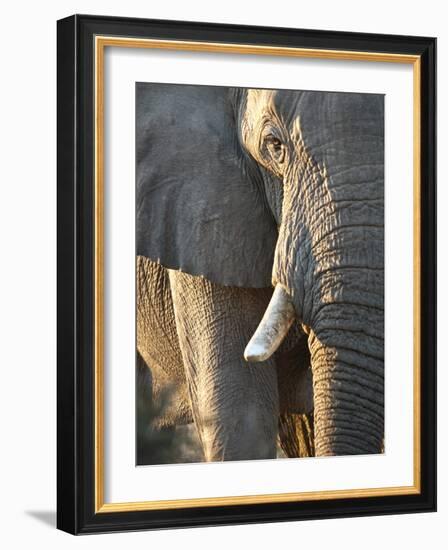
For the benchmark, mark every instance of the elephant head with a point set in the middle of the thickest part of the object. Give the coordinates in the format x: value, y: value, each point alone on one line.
x: 327, y: 152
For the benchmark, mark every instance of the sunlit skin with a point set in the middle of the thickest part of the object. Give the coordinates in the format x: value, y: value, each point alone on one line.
x: 240, y: 191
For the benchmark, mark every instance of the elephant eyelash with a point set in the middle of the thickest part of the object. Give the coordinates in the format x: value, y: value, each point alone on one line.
x: 276, y: 148
x: 275, y: 143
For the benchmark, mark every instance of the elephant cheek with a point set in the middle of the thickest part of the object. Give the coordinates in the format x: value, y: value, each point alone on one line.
x: 290, y: 271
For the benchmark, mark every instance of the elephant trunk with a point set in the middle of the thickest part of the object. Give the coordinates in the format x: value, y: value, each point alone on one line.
x: 335, y: 279
x: 346, y: 341
x: 345, y: 318
x: 348, y: 383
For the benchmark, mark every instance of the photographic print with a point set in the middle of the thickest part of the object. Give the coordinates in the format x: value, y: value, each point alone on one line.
x: 246, y: 274
x: 259, y: 273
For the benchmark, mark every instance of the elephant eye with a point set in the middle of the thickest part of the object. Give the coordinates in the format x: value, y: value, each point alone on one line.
x: 276, y: 148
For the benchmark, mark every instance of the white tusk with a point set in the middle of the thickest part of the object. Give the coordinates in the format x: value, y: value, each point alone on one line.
x: 273, y: 328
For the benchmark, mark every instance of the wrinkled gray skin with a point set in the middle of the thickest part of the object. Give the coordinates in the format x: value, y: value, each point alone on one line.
x: 238, y: 190
x: 192, y: 334
x: 328, y: 150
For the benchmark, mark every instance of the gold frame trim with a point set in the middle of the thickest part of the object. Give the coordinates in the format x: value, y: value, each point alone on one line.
x: 101, y: 42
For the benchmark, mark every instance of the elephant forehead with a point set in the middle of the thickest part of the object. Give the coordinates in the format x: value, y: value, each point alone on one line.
x: 259, y: 101
x: 259, y: 108
x: 331, y: 115
x: 341, y: 131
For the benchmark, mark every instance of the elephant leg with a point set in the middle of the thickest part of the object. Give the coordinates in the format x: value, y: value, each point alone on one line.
x: 235, y: 405
x: 158, y: 346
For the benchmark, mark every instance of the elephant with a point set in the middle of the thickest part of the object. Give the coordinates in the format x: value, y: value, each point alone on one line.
x: 260, y: 266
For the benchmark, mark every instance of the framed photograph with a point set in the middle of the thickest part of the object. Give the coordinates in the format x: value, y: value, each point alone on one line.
x: 246, y: 274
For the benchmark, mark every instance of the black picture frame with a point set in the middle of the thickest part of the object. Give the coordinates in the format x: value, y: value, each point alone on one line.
x: 76, y: 512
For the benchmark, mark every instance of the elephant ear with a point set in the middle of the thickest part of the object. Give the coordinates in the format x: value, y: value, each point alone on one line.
x: 200, y: 204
